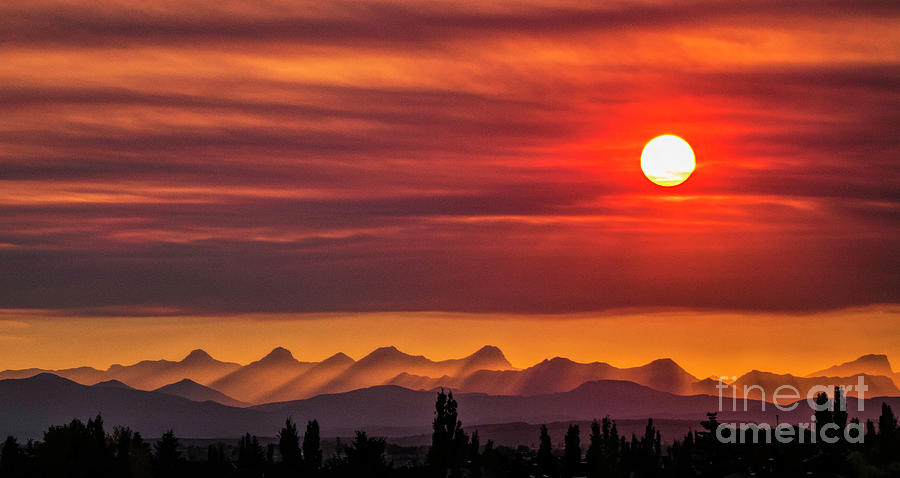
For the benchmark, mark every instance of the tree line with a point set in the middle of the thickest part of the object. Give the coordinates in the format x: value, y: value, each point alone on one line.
x: 79, y: 449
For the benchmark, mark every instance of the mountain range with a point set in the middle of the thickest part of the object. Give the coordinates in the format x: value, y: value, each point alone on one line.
x: 198, y: 365
x: 280, y: 377
x: 28, y: 406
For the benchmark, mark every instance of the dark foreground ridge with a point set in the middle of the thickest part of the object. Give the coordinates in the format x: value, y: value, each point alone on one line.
x: 79, y: 449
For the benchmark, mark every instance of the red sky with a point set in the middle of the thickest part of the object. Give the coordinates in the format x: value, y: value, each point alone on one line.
x: 197, y: 158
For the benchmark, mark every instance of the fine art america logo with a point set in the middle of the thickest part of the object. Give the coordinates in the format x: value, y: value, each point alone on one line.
x: 827, y: 423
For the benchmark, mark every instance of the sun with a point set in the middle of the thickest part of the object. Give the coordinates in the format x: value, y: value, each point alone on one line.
x: 667, y: 160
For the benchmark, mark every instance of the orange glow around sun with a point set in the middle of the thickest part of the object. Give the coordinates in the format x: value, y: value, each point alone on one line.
x: 667, y: 160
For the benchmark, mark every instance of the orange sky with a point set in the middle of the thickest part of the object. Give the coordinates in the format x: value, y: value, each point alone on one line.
x: 706, y: 344
x: 212, y: 159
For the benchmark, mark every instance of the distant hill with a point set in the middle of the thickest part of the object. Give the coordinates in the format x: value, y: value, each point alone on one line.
x: 871, y: 364
x: 29, y: 406
x: 561, y: 374
x: 112, y: 384
x: 878, y: 386
x: 145, y: 375
x: 192, y: 390
x: 83, y: 375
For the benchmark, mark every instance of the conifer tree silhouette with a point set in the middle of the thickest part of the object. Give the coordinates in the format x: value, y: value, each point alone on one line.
x: 449, y: 444
x: 887, y: 422
x: 605, y: 448
x: 251, y: 457
x: 488, y: 457
x: 595, y: 451
x: 365, y: 456
x: 823, y: 413
x: 572, y: 457
x: 545, y: 463
x: 76, y: 449
x: 475, y: 455
x: 312, y: 448
x: 289, y: 448
x: 646, y: 453
x: 132, y: 454
x: 217, y: 463
x: 12, y: 459
x: 887, y: 446
x: 167, y: 455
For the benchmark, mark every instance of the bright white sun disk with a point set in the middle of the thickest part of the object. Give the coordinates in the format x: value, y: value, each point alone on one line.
x: 667, y: 160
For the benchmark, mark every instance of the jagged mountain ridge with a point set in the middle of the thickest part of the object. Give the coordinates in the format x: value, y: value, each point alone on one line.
x: 279, y: 376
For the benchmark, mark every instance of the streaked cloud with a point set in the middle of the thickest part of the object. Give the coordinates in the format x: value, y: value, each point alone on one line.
x: 198, y: 157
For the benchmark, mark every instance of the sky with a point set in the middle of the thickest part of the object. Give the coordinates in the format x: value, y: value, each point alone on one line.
x: 177, y: 161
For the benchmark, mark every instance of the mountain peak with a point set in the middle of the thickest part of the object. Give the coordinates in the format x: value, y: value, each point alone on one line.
x: 874, y: 364
x: 339, y: 357
x: 665, y: 361
x: 197, y: 355
x: 279, y: 354
x: 386, y: 352
x: 555, y: 363
x: 872, y: 360
x: 668, y: 365
x: 489, y: 352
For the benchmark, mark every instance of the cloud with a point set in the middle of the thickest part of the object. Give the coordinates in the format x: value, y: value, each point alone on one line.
x: 283, y: 158
x: 351, y: 23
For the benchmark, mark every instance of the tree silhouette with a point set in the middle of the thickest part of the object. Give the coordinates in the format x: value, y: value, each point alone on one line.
x: 289, y: 448
x: 167, y: 455
x: 312, y: 448
x: 887, y: 422
x: 365, y: 456
x: 545, y: 463
x: 595, y: 451
x: 132, y: 453
x: 604, y: 451
x: 887, y: 447
x: 449, y: 444
x: 121, y: 442
x: 572, y: 457
x: 76, y: 449
x: 823, y: 413
x: 251, y: 457
x: 840, y: 413
x: 98, y: 453
x: 489, y: 459
x: 12, y: 459
x: 217, y: 463
x: 475, y: 455
x: 646, y: 453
